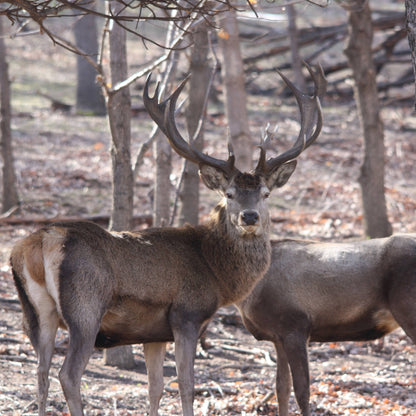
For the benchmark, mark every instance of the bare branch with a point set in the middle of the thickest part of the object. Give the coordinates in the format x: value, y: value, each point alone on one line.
x: 131, y: 10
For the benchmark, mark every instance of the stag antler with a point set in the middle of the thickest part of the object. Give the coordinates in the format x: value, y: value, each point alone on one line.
x: 308, y: 107
x: 163, y: 113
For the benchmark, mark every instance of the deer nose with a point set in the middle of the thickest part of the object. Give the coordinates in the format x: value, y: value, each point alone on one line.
x: 249, y: 217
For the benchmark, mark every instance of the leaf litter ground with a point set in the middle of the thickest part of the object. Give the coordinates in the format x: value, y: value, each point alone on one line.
x: 63, y: 166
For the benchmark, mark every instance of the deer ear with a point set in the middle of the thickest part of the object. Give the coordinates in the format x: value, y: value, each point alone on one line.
x: 281, y: 175
x: 213, y: 178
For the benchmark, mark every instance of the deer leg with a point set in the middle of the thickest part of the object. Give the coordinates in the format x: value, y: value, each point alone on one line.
x: 403, y: 308
x: 44, y: 350
x: 297, y: 354
x: 186, y: 338
x: 408, y: 323
x: 154, y: 354
x: 283, y: 380
x: 81, y: 346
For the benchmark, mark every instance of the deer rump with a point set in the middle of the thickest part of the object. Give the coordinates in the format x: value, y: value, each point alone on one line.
x: 324, y: 292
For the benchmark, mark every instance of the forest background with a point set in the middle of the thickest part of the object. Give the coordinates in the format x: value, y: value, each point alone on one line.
x: 63, y: 168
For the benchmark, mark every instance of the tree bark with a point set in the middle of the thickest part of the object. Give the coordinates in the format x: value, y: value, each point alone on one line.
x: 201, y: 70
x: 89, y: 98
x: 411, y: 33
x: 119, y: 114
x: 235, y: 92
x: 163, y: 169
x: 10, y: 194
x: 294, y: 47
x: 371, y: 178
x: 162, y: 149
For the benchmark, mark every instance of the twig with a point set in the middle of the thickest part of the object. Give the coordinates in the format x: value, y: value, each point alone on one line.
x: 173, y: 46
x: 9, y: 212
x: 206, y: 389
x: 9, y: 340
x: 217, y: 386
x: 31, y: 404
x: 14, y: 358
x: 267, y: 397
x: 10, y: 302
x: 245, y: 351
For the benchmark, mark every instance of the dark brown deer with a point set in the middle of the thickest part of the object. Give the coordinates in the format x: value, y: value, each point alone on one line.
x: 158, y: 285
x: 325, y: 292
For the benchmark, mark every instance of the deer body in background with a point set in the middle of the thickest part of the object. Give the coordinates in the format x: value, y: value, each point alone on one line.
x: 158, y: 285
x: 329, y: 292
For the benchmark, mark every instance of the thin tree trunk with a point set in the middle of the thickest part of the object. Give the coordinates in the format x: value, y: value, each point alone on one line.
x: 119, y: 113
x: 10, y: 195
x: 162, y: 190
x: 89, y: 98
x: 162, y: 149
x: 411, y: 33
x: 371, y: 178
x: 201, y: 71
x: 294, y: 47
x: 235, y: 93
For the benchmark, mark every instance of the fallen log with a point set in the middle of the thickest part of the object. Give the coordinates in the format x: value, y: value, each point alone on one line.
x: 138, y: 220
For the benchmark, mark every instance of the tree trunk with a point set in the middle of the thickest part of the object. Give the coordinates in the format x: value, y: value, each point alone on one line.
x: 294, y: 47
x: 201, y: 71
x: 10, y: 195
x: 119, y: 113
x: 411, y: 33
x: 235, y: 93
x: 162, y: 149
x: 371, y: 179
x: 89, y: 98
x: 163, y: 169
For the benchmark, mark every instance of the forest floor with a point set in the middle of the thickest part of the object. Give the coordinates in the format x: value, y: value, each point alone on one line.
x: 64, y: 170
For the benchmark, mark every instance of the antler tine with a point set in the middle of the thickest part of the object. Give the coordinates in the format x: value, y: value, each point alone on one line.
x: 184, y: 149
x: 265, y: 140
x: 319, y: 79
x: 159, y: 110
x: 164, y: 115
x: 155, y: 109
x: 320, y: 83
x: 310, y: 109
x: 178, y: 143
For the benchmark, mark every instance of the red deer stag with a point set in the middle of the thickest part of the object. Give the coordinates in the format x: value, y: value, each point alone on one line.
x: 158, y: 285
x: 330, y: 292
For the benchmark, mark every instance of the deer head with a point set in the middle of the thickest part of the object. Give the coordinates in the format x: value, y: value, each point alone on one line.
x: 244, y: 193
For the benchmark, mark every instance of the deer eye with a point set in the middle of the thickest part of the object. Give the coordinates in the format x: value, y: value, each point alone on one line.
x: 266, y: 194
x: 230, y: 193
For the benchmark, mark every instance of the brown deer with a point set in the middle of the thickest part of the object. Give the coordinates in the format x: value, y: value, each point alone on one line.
x: 158, y: 285
x: 325, y: 292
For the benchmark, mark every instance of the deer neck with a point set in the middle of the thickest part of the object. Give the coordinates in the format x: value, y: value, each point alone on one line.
x: 237, y: 262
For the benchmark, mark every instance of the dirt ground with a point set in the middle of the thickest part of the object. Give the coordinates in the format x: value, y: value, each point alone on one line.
x: 63, y: 167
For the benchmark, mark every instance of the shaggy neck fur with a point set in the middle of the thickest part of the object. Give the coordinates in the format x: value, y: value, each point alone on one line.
x: 238, y: 262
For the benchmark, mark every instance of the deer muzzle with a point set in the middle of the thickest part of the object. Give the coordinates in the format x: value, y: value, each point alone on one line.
x: 249, y: 217
x: 249, y: 221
